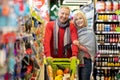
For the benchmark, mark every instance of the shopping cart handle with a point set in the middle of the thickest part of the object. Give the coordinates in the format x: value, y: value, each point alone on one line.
x: 61, y: 60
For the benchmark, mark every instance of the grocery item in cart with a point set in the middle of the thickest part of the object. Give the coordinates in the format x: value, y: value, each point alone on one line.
x: 62, y: 69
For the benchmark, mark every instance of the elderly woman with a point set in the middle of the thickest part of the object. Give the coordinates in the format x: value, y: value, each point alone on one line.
x: 87, y: 45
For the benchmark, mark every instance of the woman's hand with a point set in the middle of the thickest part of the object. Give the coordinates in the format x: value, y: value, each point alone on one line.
x: 76, y: 42
x: 49, y: 60
x: 87, y: 55
x: 82, y: 48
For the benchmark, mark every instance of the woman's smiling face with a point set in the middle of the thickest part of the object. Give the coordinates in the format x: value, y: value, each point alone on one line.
x: 79, y: 21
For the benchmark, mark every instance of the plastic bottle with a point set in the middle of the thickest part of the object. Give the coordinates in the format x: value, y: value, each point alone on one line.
x: 108, y: 5
x: 115, y: 5
x: 100, y: 6
x: 119, y: 5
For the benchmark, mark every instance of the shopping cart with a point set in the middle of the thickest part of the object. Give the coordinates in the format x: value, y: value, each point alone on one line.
x: 62, y: 69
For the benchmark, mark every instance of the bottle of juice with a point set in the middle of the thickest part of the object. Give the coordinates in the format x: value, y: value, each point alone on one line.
x: 119, y: 5
x: 108, y: 5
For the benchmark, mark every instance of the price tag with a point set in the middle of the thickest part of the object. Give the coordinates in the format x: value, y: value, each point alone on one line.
x: 118, y: 44
x: 98, y: 55
x: 110, y: 55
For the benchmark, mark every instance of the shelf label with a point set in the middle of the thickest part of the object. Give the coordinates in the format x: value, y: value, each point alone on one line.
x: 118, y: 44
x: 110, y: 55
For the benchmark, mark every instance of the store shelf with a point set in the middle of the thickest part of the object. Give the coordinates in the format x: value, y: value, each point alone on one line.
x: 102, y: 43
x: 108, y: 55
x: 104, y: 32
x: 109, y: 21
x: 106, y: 12
x: 107, y: 67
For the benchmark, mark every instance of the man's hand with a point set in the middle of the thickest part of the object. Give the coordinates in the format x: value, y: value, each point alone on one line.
x: 73, y: 65
x: 49, y: 60
x: 73, y: 57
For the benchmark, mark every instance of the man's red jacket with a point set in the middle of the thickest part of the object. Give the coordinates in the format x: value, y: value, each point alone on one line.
x: 48, y: 41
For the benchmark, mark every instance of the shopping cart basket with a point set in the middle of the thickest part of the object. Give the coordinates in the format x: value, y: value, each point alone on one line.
x: 62, y: 69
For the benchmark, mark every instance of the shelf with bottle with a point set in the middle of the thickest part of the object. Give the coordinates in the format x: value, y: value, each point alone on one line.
x: 107, y: 67
x: 116, y: 12
x: 107, y: 74
x: 108, y: 39
x: 109, y: 28
x: 107, y: 5
x: 108, y: 62
x: 108, y: 50
x: 107, y: 17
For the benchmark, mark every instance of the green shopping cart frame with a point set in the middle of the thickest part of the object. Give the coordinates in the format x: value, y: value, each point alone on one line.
x: 72, y: 64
